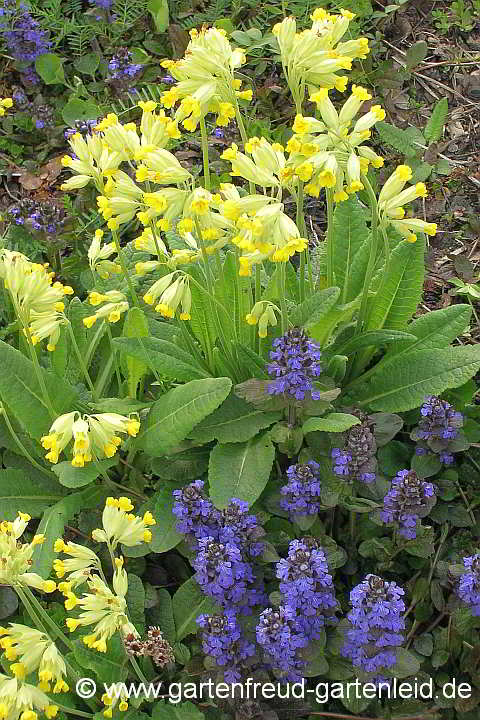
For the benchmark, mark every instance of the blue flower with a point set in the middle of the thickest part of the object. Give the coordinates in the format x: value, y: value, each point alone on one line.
x: 377, y: 625
x: 356, y: 460
x: 468, y: 588
x: 225, y: 576
x: 302, y: 492
x: 295, y: 364
x: 438, y: 429
x: 223, y: 640
x: 196, y: 514
x: 409, y: 499
x: 307, y: 586
x: 279, y: 636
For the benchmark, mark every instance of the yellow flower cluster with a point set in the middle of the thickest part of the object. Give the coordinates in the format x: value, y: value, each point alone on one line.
x: 313, y: 58
x: 120, y: 526
x: 101, y: 607
x: 116, y: 305
x: 5, y: 104
x: 94, y: 436
x: 37, y: 300
x: 206, y: 79
x: 172, y: 291
x: 16, y: 557
x: 393, y: 197
x: 33, y: 651
x: 263, y: 314
x: 328, y: 153
x: 21, y: 701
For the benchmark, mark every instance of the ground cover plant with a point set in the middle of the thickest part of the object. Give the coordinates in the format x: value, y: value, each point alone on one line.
x: 237, y: 446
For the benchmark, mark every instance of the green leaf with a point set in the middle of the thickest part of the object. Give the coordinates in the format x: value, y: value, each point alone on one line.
x: 358, y: 269
x: 177, y: 412
x: 77, y: 109
x: 435, y: 329
x: 420, y: 373
x: 165, y: 536
x: 335, y: 422
x: 8, y: 602
x: 400, y: 289
x: 50, y: 68
x: 162, y: 615
x: 314, y: 308
x: 234, y: 421
x: 406, y: 664
x: 53, y: 523
x: 158, y: 9
x: 202, y: 322
x: 135, y: 326
x: 88, y: 65
x: 349, y: 231
x: 184, y: 711
x: 188, y: 603
x: 162, y: 356
x: 396, y: 138
x: 416, y: 53
x: 109, y: 667
x: 374, y: 338
x: 74, y: 477
x: 182, y: 466
x: 240, y: 470
x: 19, y: 492
x: 135, y: 598
x: 20, y: 390
x: 434, y: 127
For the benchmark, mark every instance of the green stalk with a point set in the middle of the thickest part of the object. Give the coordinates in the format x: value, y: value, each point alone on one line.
x: 283, y: 302
x: 258, y: 293
x: 114, y: 355
x: 372, y: 257
x: 301, y: 225
x: 123, y: 264
x: 206, y: 168
x: 47, y: 619
x: 243, y: 135
x: 330, y: 238
x: 40, y: 378
x: 20, y: 445
x: 72, y: 711
x: 80, y: 359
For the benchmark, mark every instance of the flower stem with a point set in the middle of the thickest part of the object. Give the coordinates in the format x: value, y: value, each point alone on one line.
x: 329, y: 194
x: 283, y: 302
x: 372, y: 257
x: 300, y: 220
x: 121, y: 257
x: 72, y: 711
x: 114, y: 355
x: 80, y: 359
x: 20, y: 445
x: 206, y: 169
x: 243, y: 135
x: 47, y: 619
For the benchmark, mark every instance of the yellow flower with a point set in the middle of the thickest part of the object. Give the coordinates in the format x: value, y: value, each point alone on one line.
x: 17, y: 556
x: 120, y: 526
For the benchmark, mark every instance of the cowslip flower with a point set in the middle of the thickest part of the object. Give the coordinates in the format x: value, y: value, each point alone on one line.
x: 172, y: 291
x: 38, y: 301
x: 329, y: 153
x: 206, y: 79
x: 20, y: 700
x: 93, y: 435
x: 17, y: 556
x: 92, y: 160
x: 120, y: 526
x: 313, y: 58
x: 78, y: 565
x: 116, y: 696
x: 116, y: 304
x: 104, y: 609
x: 33, y: 651
x: 98, y: 254
x: 263, y: 314
x: 5, y: 104
x: 393, y: 197
x: 266, y: 167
